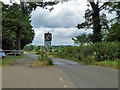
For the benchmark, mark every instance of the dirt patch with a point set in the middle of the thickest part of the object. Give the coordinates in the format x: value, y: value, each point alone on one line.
x: 40, y: 64
x: 6, y: 65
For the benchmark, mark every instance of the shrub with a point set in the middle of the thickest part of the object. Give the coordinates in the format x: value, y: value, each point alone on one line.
x: 38, y: 53
x: 100, y: 51
x: 45, y: 59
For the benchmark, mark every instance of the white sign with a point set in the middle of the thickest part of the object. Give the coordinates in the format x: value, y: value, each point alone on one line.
x: 47, y: 43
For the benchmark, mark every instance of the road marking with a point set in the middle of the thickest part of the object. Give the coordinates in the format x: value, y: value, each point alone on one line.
x: 61, y: 79
x: 63, y: 82
x: 65, y: 86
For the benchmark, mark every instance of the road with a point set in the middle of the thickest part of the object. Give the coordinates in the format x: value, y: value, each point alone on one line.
x: 65, y: 74
x: 86, y: 76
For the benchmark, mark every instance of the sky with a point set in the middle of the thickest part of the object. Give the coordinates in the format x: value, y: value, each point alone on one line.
x: 61, y: 22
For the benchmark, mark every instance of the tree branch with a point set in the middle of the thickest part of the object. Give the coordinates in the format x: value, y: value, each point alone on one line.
x: 104, y: 5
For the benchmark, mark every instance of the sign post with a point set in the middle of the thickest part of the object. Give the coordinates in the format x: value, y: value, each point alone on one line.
x: 48, y: 39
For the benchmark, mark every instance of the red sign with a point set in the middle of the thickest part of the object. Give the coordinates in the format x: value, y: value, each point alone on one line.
x: 48, y: 36
x: 44, y: 52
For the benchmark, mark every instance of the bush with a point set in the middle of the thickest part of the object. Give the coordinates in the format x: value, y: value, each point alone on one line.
x: 100, y: 51
x: 45, y: 59
x: 38, y: 53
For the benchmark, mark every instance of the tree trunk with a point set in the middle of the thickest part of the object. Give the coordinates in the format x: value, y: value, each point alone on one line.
x: 96, y: 23
x: 19, y: 31
x: 18, y: 39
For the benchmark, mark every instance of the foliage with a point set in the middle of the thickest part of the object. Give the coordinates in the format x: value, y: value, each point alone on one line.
x: 38, y: 53
x: 32, y: 48
x: 12, y: 21
x: 93, y: 20
x: 114, y: 33
x: 8, y: 60
x: 82, y: 39
x: 97, y: 21
x: 108, y: 63
x: 95, y: 52
x: 44, y: 58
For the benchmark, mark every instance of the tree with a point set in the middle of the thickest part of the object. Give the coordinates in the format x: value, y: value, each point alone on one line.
x: 114, y: 31
x: 27, y: 8
x: 12, y: 22
x: 82, y: 39
x: 93, y: 20
x: 31, y: 47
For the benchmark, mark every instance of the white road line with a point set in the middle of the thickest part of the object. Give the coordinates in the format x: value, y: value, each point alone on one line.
x: 65, y: 86
x: 63, y: 81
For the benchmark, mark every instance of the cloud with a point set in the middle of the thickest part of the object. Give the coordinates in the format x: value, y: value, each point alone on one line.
x: 65, y: 15
x: 60, y: 35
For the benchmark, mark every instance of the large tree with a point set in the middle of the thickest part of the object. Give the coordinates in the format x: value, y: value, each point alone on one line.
x: 114, y: 31
x: 28, y: 7
x: 12, y: 22
x: 93, y: 19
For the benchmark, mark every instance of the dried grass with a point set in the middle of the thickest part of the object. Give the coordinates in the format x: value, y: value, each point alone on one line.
x: 40, y: 64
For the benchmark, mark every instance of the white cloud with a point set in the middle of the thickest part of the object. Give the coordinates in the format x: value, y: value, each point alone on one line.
x: 60, y: 35
x: 61, y: 22
x: 66, y: 15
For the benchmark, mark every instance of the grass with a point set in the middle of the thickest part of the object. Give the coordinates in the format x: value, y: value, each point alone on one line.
x: 112, y: 64
x: 35, y: 52
x: 32, y: 52
x: 107, y: 63
x: 8, y: 60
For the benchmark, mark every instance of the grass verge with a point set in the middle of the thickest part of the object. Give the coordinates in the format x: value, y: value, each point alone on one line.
x: 32, y: 52
x: 111, y: 64
x: 9, y: 60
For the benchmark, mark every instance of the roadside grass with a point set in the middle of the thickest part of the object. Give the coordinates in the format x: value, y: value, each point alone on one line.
x: 31, y: 52
x: 112, y: 64
x: 8, y: 60
x: 107, y: 63
x: 43, y: 63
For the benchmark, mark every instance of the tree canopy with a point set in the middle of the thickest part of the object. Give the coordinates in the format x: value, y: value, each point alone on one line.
x: 98, y: 22
x: 12, y: 21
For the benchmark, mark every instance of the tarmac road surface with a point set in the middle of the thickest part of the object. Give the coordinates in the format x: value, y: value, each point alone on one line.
x: 65, y: 74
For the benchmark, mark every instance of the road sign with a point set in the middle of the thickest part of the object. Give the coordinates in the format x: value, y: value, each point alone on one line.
x: 48, y: 36
x: 47, y: 43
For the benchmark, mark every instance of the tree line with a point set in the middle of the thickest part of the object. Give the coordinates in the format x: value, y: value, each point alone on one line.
x: 18, y: 32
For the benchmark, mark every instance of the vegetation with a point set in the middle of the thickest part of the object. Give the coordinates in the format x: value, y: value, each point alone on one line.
x: 12, y: 22
x: 97, y: 20
x: 9, y: 60
x: 17, y: 30
x: 102, y: 52
x: 100, y: 47
x: 43, y: 59
x: 106, y: 32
